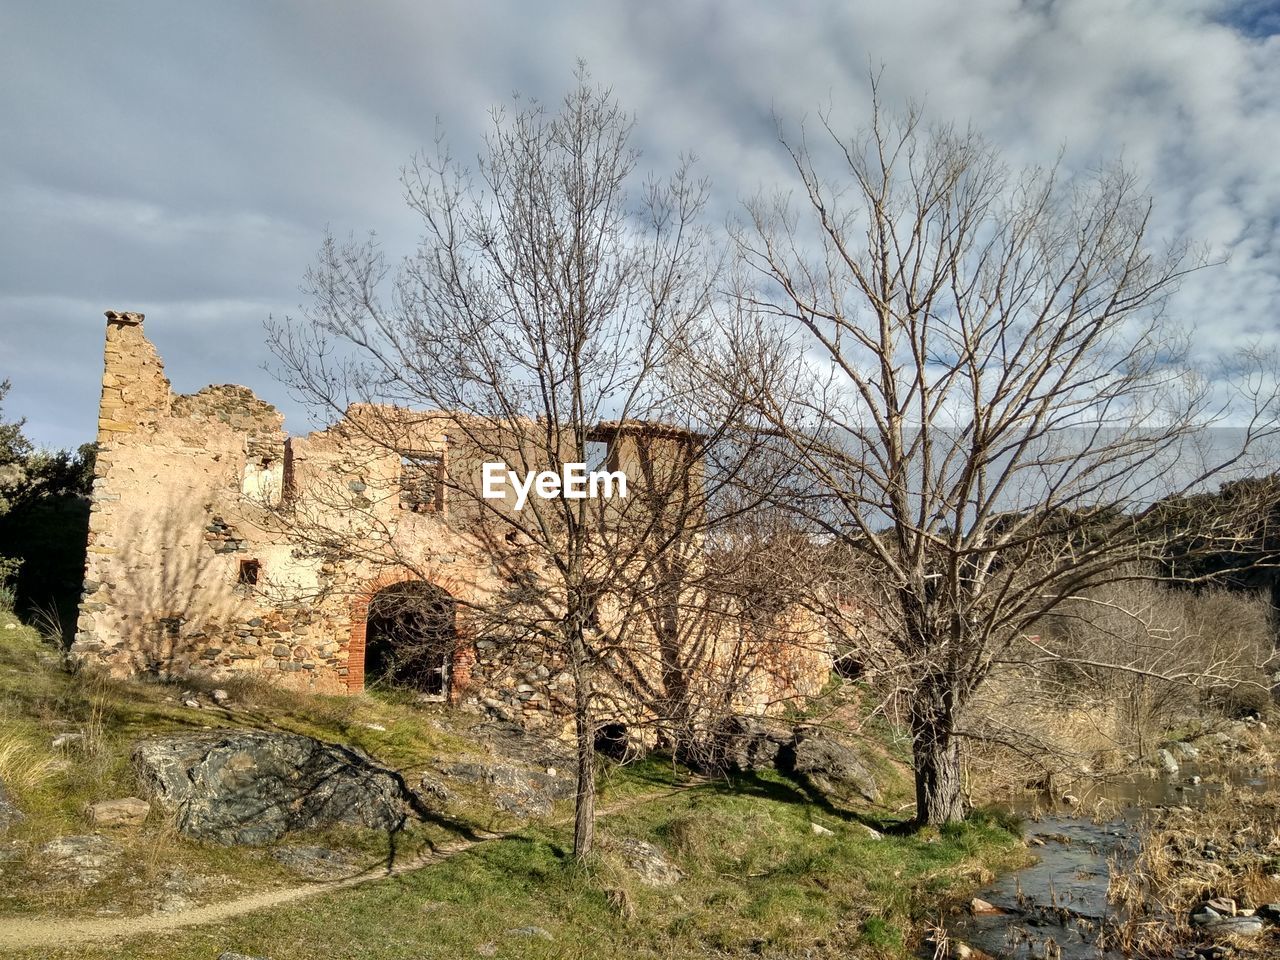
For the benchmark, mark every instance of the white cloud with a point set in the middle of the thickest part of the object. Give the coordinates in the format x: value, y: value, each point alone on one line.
x: 190, y: 162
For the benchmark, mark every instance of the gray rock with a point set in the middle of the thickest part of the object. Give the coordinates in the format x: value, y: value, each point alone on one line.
x: 1204, y: 915
x: 316, y: 863
x: 83, y: 859
x: 1166, y: 762
x: 1234, y: 927
x: 220, y: 696
x: 649, y: 864
x: 1184, y: 751
x: 125, y: 812
x: 231, y: 955
x: 743, y: 745
x: 521, y: 790
x: 252, y: 787
x: 832, y: 766
x: 432, y: 787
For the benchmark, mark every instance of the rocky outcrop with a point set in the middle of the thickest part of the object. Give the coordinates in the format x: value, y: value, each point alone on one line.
x: 517, y: 789
x: 648, y: 863
x: 526, y: 773
x: 253, y: 787
x: 81, y: 860
x: 822, y: 760
x: 832, y: 766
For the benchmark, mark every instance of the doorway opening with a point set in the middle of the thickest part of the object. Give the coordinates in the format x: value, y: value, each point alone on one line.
x: 410, y: 638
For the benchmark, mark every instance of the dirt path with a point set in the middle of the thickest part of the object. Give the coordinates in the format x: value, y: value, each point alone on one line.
x: 51, y: 930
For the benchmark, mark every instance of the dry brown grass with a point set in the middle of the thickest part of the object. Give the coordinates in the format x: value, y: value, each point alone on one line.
x: 1173, y: 873
x: 23, y: 767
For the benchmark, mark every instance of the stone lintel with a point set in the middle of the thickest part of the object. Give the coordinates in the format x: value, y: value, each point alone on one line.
x: 125, y: 319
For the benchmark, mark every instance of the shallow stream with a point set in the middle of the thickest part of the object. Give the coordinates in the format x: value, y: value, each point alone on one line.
x: 1056, y: 907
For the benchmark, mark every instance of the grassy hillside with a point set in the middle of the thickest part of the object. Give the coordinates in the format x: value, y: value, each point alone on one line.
x: 759, y: 878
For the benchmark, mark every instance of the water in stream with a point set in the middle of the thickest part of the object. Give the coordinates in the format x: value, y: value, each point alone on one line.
x: 1056, y: 907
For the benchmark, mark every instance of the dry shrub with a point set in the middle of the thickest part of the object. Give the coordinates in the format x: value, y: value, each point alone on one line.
x: 1126, y: 663
x: 22, y: 766
x: 1172, y: 874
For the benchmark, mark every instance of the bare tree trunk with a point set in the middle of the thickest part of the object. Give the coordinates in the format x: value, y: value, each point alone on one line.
x: 935, y: 754
x: 584, y: 811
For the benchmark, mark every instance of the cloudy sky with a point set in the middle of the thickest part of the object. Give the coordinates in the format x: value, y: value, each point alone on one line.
x: 184, y: 160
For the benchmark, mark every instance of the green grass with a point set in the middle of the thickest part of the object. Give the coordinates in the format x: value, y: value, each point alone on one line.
x: 756, y: 876
x: 758, y: 879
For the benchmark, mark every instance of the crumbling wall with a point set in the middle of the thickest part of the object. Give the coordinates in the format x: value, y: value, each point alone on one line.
x: 170, y: 526
x: 219, y: 545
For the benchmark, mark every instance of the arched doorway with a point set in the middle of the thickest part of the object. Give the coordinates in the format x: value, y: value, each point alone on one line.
x: 410, y: 638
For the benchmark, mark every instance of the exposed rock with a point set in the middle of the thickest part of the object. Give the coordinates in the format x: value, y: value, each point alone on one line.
x: 832, y: 766
x: 520, y: 790
x: 66, y: 740
x: 220, y: 697
x: 979, y: 907
x: 1270, y: 912
x: 316, y: 863
x: 252, y: 786
x: 650, y: 864
x: 84, y: 859
x: 432, y: 787
x: 487, y: 949
x: 125, y: 812
x: 1184, y: 751
x: 1235, y: 927
x: 176, y: 889
x: 1166, y: 762
x: 1204, y: 915
x: 229, y: 955
x: 871, y: 832
x: 743, y: 744
x: 1223, y: 905
x: 821, y: 831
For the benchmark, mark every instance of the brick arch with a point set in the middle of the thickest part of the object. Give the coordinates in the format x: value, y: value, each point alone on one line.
x: 464, y: 653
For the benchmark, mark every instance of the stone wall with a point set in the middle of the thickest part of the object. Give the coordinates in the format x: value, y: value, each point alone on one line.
x: 219, y: 545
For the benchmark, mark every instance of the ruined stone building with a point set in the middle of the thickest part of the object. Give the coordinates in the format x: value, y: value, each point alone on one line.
x: 190, y: 571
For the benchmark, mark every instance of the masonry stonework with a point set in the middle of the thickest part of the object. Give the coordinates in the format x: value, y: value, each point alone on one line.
x: 190, y: 570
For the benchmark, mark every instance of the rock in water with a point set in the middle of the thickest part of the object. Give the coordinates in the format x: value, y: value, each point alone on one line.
x: 1166, y: 762
x: 831, y: 766
x: 252, y: 787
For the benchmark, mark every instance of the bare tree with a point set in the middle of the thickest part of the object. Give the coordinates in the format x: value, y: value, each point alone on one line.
x: 542, y: 322
x: 980, y: 385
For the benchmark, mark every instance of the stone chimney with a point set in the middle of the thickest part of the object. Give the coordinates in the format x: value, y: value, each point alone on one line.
x: 135, y: 391
x: 135, y: 396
